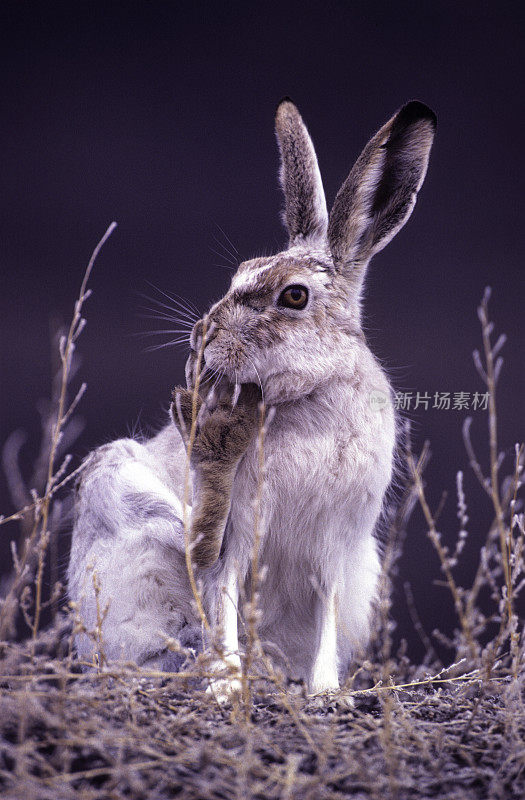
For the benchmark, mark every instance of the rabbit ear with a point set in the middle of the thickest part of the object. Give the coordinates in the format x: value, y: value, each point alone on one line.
x: 378, y: 196
x: 305, y: 215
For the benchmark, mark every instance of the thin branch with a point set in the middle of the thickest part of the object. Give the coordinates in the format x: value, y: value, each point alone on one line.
x: 41, y: 506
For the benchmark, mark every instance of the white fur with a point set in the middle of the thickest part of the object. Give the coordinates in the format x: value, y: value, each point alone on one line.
x: 328, y: 462
x: 248, y: 280
x: 136, y: 558
x: 139, y: 477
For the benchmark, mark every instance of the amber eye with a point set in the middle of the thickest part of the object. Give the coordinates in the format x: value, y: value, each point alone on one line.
x: 295, y: 296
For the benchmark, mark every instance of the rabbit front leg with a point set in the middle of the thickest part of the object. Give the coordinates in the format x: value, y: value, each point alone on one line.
x: 225, y: 637
x: 324, y: 675
x: 324, y: 678
x: 223, y: 432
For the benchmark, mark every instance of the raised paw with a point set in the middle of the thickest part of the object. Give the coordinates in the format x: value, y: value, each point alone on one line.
x: 226, y: 423
x: 182, y: 410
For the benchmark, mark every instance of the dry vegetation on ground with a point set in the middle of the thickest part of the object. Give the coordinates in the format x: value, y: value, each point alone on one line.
x: 454, y: 730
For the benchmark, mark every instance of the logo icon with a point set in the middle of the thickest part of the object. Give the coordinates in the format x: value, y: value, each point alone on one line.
x: 377, y: 399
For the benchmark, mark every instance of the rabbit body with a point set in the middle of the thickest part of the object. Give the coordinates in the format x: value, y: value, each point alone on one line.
x: 290, y: 324
x: 328, y: 462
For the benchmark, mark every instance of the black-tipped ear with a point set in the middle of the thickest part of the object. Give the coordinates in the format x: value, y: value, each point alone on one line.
x: 378, y: 196
x: 305, y: 215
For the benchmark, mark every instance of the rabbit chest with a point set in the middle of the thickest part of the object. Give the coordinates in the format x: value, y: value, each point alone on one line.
x: 327, y: 464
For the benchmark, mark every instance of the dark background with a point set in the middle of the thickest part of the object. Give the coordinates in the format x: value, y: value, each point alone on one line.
x: 160, y: 116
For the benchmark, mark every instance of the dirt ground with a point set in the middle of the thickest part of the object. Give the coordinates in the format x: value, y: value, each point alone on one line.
x: 126, y: 734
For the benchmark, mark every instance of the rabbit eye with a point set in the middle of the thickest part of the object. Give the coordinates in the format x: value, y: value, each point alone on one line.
x: 295, y: 296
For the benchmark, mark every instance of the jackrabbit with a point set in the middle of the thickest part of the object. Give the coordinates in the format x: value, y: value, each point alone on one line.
x: 288, y: 331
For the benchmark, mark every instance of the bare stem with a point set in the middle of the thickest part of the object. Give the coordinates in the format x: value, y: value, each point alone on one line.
x: 436, y: 541
x: 492, y: 370
x: 189, y: 448
x: 41, y: 506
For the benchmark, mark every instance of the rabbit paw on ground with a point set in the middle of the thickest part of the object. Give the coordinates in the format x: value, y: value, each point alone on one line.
x: 331, y: 699
x: 226, y: 688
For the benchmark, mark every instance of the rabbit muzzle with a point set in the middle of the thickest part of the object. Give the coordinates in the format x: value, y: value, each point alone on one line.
x: 223, y: 348
x: 226, y: 351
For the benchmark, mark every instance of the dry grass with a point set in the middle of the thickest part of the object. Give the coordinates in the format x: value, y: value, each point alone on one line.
x: 453, y: 730
x: 127, y: 734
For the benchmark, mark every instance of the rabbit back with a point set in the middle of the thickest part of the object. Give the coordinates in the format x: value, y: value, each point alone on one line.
x: 127, y: 572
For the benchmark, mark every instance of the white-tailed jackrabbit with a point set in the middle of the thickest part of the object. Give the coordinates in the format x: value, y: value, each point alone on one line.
x: 288, y: 330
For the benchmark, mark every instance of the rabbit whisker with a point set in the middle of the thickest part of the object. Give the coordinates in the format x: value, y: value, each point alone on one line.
x: 227, y: 253
x: 182, y: 302
x: 172, y: 343
x: 155, y: 314
x: 223, y: 266
x: 230, y: 265
x: 234, y: 249
x: 208, y: 373
x: 189, y: 315
x: 156, y: 333
x: 218, y: 378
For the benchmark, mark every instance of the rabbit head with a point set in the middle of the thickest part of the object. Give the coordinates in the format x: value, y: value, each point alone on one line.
x: 287, y: 321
